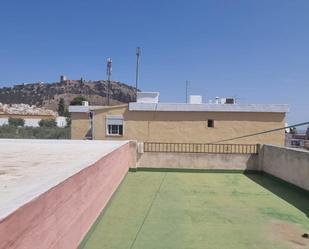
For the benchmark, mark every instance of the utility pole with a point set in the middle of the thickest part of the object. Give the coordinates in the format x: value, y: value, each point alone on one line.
x: 109, y: 74
x: 187, y: 87
x: 138, y: 53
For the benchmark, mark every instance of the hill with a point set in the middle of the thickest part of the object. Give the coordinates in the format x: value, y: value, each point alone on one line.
x: 47, y: 95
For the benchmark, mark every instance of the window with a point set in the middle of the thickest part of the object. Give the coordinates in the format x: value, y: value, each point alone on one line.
x: 114, y: 125
x: 210, y: 123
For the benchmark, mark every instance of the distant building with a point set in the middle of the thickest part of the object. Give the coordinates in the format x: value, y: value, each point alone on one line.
x: 297, y: 139
x: 31, y: 114
x: 61, y: 121
x: 63, y: 78
x: 192, y: 122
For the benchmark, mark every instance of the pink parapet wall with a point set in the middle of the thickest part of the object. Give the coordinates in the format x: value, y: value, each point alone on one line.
x: 61, y: 217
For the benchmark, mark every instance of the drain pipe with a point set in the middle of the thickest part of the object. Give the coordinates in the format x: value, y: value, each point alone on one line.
x: 91, y: 116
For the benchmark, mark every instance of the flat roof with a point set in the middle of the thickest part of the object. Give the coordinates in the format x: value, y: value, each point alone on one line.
x: 29, y: 167
x: 201, y: 210
x: 184, y: 107
x: 86, y: 109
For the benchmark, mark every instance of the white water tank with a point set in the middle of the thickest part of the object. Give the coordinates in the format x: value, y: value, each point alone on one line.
x: 195, y: 99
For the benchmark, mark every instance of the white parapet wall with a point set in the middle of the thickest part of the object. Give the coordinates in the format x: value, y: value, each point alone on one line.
x: 52, y: 191
x: 290, y: 165
x: 32, y: 122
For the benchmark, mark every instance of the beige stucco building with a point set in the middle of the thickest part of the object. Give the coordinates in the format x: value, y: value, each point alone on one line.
x: 147, y: 120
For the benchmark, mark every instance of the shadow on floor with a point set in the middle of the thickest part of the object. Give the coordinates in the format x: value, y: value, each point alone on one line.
x: 296, y: 197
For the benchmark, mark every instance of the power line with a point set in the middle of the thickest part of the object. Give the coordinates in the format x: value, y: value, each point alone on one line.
x: 187, y: 88
x: 259, y: 133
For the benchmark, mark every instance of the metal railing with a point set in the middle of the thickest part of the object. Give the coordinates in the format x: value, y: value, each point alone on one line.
x: 201, y: 148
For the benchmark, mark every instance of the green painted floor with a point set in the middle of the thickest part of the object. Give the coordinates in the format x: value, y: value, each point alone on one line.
x: 160, y: 210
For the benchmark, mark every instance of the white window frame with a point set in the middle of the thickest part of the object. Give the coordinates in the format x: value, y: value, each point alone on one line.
x: 114, y: 120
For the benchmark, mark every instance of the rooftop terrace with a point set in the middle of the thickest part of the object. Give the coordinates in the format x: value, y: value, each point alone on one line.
x: 52, y: 194
x: 201, y: 210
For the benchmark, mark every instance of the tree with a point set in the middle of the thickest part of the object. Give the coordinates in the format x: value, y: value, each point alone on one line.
x: 67, y: 113
x: 78, y: 100
x: 69, y: 122
x: 48, y: 123
x: 16, y: 122
x: 61, y: 107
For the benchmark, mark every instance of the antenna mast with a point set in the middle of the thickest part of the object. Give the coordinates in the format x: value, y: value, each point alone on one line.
x: 187, y: 86
x: 138, y: 53
x: 109, y: 75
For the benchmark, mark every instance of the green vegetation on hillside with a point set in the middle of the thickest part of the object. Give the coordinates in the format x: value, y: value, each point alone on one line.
x: 48, y: 123
x: 78, y: 100
x: 11, y: 131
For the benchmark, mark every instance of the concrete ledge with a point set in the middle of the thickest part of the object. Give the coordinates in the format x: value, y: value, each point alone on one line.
x: 60, y: 217
x: 191, y: 170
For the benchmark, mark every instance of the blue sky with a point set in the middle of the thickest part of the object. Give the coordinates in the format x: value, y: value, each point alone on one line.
x: 255, y: 50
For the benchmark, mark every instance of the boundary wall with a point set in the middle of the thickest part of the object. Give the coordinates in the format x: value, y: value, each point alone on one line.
x: 288, y: 164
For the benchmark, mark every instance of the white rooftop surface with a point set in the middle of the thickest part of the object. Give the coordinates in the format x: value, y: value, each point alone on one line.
x: 29, y: 168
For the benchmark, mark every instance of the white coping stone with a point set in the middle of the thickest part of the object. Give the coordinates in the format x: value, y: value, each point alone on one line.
x: 184, y: 107
x: 282, y: 108
x: 29, y: 167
